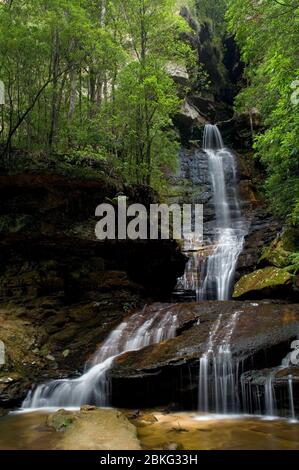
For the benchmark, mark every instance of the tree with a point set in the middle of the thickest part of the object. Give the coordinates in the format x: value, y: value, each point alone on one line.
x: 268, y: 35
x: 146, y: 97
x: 90, y: 76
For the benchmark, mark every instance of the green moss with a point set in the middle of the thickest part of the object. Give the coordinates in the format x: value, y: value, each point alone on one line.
x: 61, y: 420
x: 283, y: 252
x: 268, y: 278
x: 290, y: 239
x: 275, y: 255
x: 294, y: 266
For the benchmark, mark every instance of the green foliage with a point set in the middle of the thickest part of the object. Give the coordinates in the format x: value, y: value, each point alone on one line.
x: 88, y: 78
x: 268, y: 34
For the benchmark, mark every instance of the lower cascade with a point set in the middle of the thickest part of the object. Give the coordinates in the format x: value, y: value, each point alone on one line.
x: 269, y: 390
x: 92, y: 387
x: 218, y: 376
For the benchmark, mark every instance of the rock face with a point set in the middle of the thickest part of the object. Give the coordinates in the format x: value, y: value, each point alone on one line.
x: 265, y: 283
x: 55, y: 214
x: 278, y: 257
x: 239, y: 130
x: 62, y: 290
x: 188, y: 121
x: 178, y: 73
x: 168, y: 372
x: 263, y: 228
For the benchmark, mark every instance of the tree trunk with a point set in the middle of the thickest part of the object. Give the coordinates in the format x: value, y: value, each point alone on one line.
x: 55, y: 67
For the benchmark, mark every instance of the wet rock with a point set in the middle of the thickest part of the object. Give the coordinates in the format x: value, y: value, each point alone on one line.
x: 279, y: 375
x: 144, y: 419
x: 168, y: 372
x: 95, y: 429
x: 265, y: 283
x: 38, y: 349
x: 263, y: 229
x: 59, y: 300
x: 61, y: 420
x: 277, y: 388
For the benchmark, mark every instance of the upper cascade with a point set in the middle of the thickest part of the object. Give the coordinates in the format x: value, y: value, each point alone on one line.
x: 212, y: 139
x: 213, y: 275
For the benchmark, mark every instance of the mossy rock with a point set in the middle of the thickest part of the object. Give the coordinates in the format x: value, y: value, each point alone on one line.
x: 283, y: 252
x: 290, y: 239
x: 61, y: 420
x: 276, y: 255
x: 269, y: 282
x: 15, y: 223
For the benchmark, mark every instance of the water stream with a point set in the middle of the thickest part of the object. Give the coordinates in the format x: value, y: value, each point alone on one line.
x: 93, y: 387
x: 271, y: 394
x: 217, y: 270
x: 218, y: 374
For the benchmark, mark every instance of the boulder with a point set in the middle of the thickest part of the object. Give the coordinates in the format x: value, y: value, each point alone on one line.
x: 269, y: 282
x: 282, y: 252
x: 178, y: 73
x: 188, y: 120
x: 94, y: 429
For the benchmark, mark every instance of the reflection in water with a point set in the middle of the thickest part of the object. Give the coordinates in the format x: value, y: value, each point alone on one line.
x: 189, y: 431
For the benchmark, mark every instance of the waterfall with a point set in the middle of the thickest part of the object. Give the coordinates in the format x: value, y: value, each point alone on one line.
x: 291, y: 398
x: 229, y: 226
x: 212, y: 275
x: 270, y: 398
x: 218, y: 374
x: 93, y: 387
x: 271, y: 393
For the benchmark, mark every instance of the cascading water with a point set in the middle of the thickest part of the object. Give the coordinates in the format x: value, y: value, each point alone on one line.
x: 210, y: 273
x: 229, y: 229
x: 271, y: 393
x: 215, y: 272
x: 218, y: 374
x: 139, y: 331
x: 270, y: 399
x: 291, y: 398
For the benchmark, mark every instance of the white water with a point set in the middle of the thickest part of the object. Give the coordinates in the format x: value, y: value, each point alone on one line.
x: 221, y: 264
x: 93, y: 387
x: 270, y: 398
x: 212, y: 276
x: 265, y: 398
x: 218, y: 375
x: 291, y: 399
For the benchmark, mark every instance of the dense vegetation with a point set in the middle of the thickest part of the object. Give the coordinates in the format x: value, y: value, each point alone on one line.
x: 90, y: 76
x: 268, y: 34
